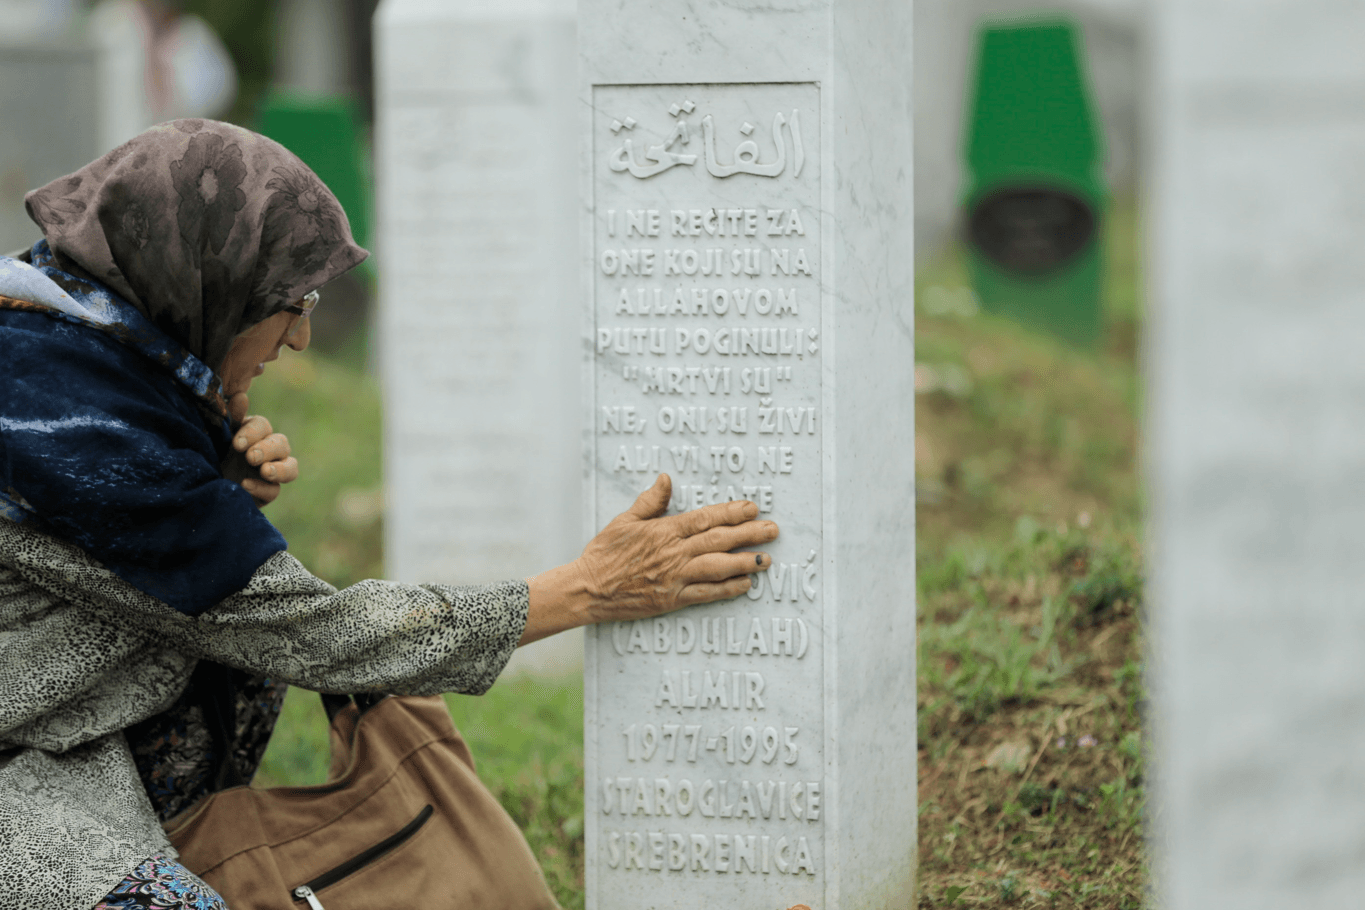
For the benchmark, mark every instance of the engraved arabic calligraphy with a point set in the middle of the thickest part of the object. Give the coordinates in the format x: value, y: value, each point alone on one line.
x: 744, y: 160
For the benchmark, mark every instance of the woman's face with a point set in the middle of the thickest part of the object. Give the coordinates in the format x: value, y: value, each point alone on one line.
x: 259, y: 345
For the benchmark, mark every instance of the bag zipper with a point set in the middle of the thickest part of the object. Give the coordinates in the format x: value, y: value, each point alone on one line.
x: 307, y: 891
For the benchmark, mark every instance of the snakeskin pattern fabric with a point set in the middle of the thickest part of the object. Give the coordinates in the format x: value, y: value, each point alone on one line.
x: 83, y: 655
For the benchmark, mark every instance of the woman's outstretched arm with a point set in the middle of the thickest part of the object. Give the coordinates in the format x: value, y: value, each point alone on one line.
x: 382, y: 636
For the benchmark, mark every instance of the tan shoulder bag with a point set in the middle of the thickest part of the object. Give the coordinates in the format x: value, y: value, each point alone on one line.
x: 402, y: 821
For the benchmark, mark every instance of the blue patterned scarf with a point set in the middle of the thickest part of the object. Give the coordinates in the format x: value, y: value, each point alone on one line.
x: 111, y: 437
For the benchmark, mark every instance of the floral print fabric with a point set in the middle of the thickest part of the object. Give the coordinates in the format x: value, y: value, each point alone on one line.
x: 205, y: 227
x: 175, y: 752
x: 208, y: 181
x: 160, y: 883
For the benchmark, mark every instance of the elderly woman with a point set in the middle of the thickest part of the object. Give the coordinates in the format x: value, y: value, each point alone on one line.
x: 139, y: 582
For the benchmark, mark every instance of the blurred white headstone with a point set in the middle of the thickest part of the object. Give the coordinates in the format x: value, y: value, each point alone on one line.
x: 311, y: 45
x: 749, y: 277
x: 54, y: 117
x: 154, y: 73
x: 479, y: 316
x: 1257, y: 448
x: 35, y: 18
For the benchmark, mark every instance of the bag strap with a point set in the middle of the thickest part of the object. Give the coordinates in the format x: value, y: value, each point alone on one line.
x: 216, y: 692
x: 333, y: 704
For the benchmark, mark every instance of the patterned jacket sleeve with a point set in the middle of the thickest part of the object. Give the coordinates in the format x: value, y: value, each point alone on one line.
x: 374, y: 636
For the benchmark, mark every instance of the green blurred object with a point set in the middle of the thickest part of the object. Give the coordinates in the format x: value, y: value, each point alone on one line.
x: 324, y: 133
x: 1034, y: 196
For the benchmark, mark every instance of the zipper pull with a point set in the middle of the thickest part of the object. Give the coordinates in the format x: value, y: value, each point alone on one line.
x: 305, y: 893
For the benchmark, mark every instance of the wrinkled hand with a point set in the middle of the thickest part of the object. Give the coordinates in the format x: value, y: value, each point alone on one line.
x: 641, y: 565
x: 260, y: 461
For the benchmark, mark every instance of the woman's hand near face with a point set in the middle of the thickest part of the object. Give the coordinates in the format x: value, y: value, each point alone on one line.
x: 642, y: 565
x: 261, y: 459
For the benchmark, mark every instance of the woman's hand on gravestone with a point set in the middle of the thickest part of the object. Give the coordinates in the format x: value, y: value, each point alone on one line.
x: 260, y: 459
x: 643, y: 564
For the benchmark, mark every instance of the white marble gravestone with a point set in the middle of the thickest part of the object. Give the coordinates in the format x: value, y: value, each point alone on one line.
x: 1257, y: 450
x: 479, y: 315
x: 60, y: 109
x: 47, y: 100
x: 311, y: 44
x: 747, y: 258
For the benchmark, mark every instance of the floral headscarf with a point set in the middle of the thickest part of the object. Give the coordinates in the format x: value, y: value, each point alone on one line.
x: 205, y: 227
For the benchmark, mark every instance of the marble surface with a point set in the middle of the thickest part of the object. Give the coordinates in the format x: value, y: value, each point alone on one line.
x: 479, y: 317
x: 312, y: 48
x: 1256, y: 449
x: 746, y: 257
x: 58, y: 113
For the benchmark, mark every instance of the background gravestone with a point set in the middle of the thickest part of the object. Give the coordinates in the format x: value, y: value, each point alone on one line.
x: 312, y: 40
x: 478, y: 312
x: 945, y: 47
x: 1256, y: 384
x: 1034, y: 199
x: 747, y: 259
x: 47, y: 101
x: 53, y: 89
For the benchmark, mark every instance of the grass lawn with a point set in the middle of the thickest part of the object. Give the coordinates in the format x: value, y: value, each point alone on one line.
x: 1031, y: 753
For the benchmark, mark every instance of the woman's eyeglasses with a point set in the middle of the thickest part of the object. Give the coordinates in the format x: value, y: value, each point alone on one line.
x: 310, y: 300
